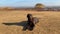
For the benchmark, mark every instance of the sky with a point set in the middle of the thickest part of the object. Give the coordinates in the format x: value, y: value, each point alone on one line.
x: 28, y: 3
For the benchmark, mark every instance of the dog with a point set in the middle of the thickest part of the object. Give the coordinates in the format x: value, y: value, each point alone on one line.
x: 31, y: 21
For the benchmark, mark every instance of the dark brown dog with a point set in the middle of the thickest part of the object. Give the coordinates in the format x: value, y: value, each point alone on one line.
x: 31, y: 21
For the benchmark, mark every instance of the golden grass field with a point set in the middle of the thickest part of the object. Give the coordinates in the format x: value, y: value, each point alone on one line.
x: 49, y: 22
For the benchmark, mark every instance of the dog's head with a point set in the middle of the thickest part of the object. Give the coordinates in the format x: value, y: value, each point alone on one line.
x: 29, y: 16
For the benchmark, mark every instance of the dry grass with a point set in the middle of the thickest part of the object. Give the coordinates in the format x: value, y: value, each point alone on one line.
x: 49, y: 22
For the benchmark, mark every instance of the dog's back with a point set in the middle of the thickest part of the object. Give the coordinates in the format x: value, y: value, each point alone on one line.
x: 35, y: 20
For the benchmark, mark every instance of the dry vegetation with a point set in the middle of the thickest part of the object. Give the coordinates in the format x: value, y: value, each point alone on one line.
x: 49, y: 22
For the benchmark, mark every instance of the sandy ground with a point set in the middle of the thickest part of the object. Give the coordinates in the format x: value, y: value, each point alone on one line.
x: 49, y: 22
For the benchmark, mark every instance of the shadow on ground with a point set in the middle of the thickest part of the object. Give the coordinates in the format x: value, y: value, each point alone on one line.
x: 23, y: 23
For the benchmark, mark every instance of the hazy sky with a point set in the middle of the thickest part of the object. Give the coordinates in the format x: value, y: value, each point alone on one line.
x: 28, y: 3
